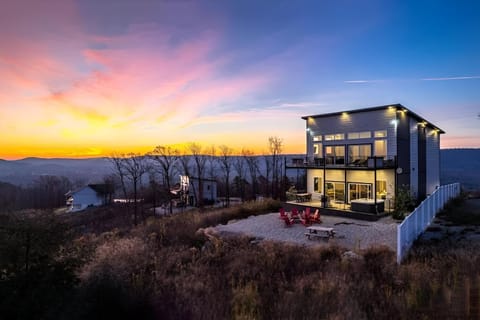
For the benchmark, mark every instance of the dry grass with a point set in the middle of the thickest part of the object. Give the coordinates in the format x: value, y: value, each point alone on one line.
x: 163, y: 269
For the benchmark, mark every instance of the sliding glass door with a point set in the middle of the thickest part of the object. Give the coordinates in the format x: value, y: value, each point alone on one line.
x: 336, y: 191
x: 359, y: 191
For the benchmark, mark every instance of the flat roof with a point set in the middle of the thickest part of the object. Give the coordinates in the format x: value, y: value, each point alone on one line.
x: 397, y: 106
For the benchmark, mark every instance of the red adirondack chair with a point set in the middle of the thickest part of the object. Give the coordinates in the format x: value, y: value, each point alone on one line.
x: 316, y: 217
x: 307, y: 213
x: 295, y: 213
x: 283, y: 215
x: 288, y: 221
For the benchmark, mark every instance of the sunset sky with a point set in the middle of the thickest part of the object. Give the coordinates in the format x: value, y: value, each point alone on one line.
x: 85, y: 78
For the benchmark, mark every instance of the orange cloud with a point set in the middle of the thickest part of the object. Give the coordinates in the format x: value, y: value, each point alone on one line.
x: 74, y: 92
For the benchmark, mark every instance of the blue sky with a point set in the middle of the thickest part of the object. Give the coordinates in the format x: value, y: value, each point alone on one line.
x: 93, y: 77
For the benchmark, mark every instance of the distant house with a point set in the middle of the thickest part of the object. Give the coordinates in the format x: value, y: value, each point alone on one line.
x: 359, y: 159
x: 92, y: 195
x: 209, y: 194
x: 188, y: 191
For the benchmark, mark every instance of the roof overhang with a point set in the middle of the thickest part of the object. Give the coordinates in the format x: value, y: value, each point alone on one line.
x: 398, y: 107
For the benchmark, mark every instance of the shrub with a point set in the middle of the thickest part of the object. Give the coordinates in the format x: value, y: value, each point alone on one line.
x: 404, y: 203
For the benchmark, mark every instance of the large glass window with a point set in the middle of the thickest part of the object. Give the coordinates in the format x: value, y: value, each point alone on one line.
x: 335, y: 191
x: 381, y: 148
x: 335, y: 154
x: 317, y: 184
x: 381, y: 189
x: 360, y: 135
x: 336, y: 136
x: 359, y: 191
x: 317, y: 138
x: 358, y: 154
x: 317, y: 150
x: 380, y: 134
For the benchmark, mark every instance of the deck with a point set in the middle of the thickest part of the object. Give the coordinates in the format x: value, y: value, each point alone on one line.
x: 338, y: 210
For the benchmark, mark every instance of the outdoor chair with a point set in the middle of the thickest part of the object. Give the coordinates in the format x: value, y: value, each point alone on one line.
x: 288, y: 221
x: 295, y: 215
x: 305, y: 218
x: 315, y: 218
x: 283, y: 215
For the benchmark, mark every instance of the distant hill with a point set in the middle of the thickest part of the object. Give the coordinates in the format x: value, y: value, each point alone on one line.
x: 457, y: 165
x: 24, y: 171
x: 460, y: 165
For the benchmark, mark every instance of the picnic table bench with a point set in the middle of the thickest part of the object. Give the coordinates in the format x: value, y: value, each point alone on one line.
x: 320, y: 232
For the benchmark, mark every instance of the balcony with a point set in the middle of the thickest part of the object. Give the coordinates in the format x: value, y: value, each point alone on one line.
x: 339, y: 163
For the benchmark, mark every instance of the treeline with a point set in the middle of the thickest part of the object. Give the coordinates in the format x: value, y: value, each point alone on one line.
x: 238, y: 173
x: 45, y: 192
x: 150, y: 177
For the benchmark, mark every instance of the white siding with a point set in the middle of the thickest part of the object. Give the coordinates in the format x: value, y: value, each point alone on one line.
x: 433, y: 160
x: 335, y: 175
x: 413, y: 156
x: 311, y: 173
x: 360, y: 176
x: 84, y: 198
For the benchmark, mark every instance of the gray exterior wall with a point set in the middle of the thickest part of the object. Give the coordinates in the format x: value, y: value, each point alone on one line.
x: 433, y: 160
x: 413, y: 157
x: 355, y: 122
x: 403, y: 150
x: 209, y: 189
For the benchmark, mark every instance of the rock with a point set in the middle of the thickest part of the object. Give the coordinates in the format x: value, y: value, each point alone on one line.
x: 350, y: 255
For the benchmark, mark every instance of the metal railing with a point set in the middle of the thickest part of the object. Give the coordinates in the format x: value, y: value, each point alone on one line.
x: 367, y: 162
x: 417, y: 221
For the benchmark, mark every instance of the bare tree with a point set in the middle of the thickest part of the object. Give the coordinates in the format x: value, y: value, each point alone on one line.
x: 134, y: 167
x: 165, y: 158
x: 240, y: 166
x: 268, y: 171
x: 49, y: 191
x: 200, y: 160
x: 225, y: 160
x: 252, y: 163
x: 212, y: 162
x: 117, y: 163
x: 276, y: 146
x: 109, y: 183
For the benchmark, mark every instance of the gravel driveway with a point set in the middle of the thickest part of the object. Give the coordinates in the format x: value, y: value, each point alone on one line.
x: 350, y: 233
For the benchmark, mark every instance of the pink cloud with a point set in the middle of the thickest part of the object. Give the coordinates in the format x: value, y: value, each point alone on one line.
x: 452, y: 141
x: 119, y: 85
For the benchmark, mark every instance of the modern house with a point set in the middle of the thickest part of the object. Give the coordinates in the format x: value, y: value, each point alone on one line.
x: 359, y: 159
x: 92, y: 195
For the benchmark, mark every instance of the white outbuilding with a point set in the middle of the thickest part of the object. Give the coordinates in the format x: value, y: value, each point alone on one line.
x: 92, y: 195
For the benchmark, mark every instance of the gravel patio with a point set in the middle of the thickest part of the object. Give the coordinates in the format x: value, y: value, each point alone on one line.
x: 351, y: 234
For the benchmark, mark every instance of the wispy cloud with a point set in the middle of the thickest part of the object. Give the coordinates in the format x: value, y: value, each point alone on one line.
x: 363, y: 81
x: 298, y: 105
x: 451, y: 78
x: 411, y: 79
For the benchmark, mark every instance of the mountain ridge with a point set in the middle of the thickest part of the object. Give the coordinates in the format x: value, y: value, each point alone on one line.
x: 456, y: 165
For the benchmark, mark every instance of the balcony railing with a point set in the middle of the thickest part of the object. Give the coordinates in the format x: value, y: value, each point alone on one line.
x: 363, y: 162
